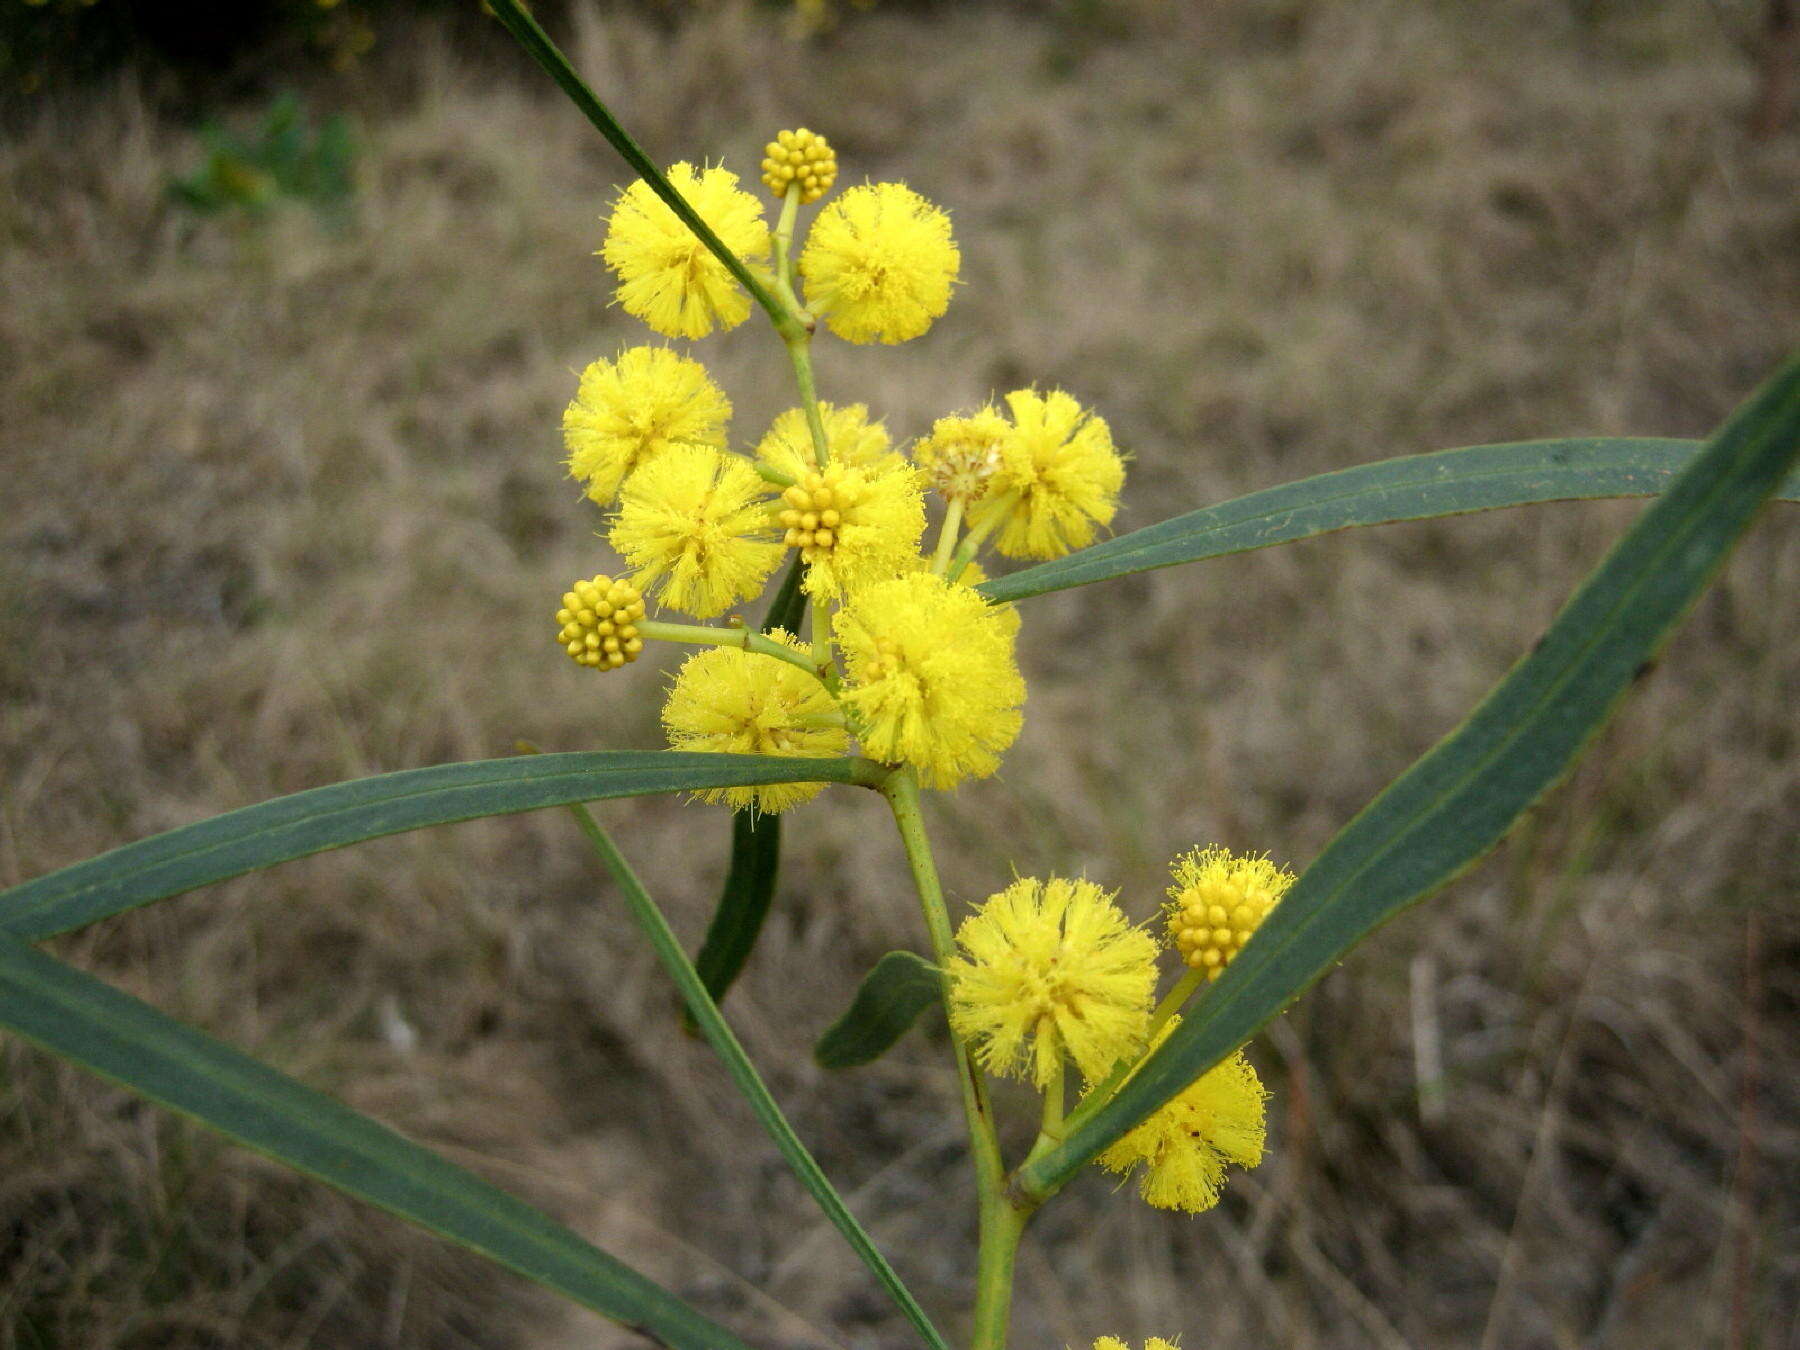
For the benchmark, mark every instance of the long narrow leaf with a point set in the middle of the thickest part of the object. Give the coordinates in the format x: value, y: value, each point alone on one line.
x: 749, y: 886
x: 532, y: 38
x: 888, y: 1001
x: 744, y: 1077
x: 743, y: 903
x: 788, y: 608
x: 1458, y: 800
x: 73, y: 1015
x: 1449, y: 482
x: 367, y: 808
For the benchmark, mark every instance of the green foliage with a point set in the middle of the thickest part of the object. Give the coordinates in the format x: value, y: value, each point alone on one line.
x: 888, y: 1001
x: 368, y: 808
x: 744, y: 901
x: 1416, y: 487
x: 285, y: 159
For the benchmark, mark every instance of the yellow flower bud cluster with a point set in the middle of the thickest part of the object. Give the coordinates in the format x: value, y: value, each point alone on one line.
x: 1217, y: 902
x: 799, y: 155
x: 597, y: 624
x: 814, y: 511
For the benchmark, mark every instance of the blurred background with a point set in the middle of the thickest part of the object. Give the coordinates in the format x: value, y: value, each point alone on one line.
x: 292, y: 301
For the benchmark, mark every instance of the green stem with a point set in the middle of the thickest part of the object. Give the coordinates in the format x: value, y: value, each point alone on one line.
x: 1051, y: 1126
x: 1002, y: 1225
x: 784, y: 249
x: 770, y: 474
x: 525, y: 31
x: 990, y: 521
x: 1179, y: 993
x: 743, y: 1074
x: 799, y: 350
x: 1001, y: 1220
x: 824, y: 666
x: 799, y: 337
x: 953, y: 515
x: 699, y: 634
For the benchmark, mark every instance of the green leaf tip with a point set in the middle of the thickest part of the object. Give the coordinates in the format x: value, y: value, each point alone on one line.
x: 888, y: 1001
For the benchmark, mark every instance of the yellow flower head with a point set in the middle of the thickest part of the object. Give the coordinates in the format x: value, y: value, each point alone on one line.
x: 1049, y: 969
x: 1186, y: 1143
x: 667, y: 277
x: 1218, y: 900
x: 963, y: 454
x: 627, y: 412
x: 879, y: 263
x: 930, y: 676
x: 697, y: 521
x: 730, y: 701
x: 597, y: 624
x: 853, y: 440
x: 799, y: 155
x: 973, y: 574
x: 1061, y: 461
x: 853, y: 526
x: 1114, y: 1343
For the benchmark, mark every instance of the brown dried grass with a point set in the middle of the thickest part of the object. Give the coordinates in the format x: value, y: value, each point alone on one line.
x: 284, y: 507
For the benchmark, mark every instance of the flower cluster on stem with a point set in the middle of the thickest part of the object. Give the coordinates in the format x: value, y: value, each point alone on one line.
x: 904, y: 661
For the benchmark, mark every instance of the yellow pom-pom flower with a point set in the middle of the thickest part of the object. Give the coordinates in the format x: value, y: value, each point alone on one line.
x: 973, y: 574
x: 853, y: 526
x: 697, y: 522
x: 930, y: 676
x: 852, y: 439
x: 667, y: 277
x: 799, y: 156
x: 1114, y: 1343
x: 963, y: 455
x: 729, y: 701
x: 597, y: 624
x: 1049, y: 969
x: 628, y: 411
x: 1186, y: 1144
x: 1061, y: 463
x: 1218, y: 900
x: 879, y: 263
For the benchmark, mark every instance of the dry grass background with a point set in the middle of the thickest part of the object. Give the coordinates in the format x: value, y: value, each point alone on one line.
x: 284, y: 506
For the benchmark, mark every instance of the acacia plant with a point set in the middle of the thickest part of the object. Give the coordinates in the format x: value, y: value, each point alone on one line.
x: 886, y: 662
